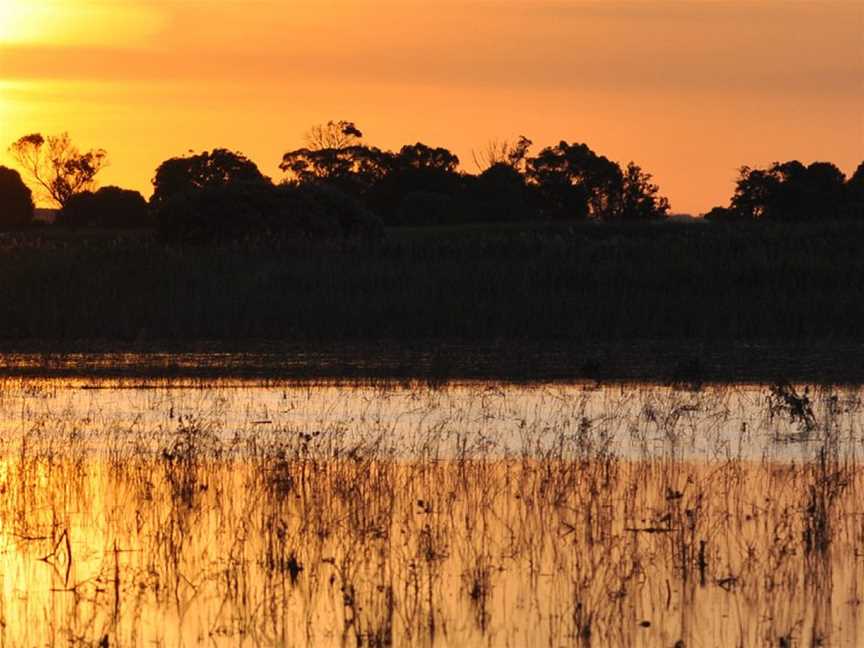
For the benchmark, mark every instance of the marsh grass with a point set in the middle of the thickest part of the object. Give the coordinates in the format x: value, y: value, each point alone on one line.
x: 793, y: 283
x: 587, y: 526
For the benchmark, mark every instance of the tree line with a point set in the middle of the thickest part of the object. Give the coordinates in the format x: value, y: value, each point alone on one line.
x: 337, y: 185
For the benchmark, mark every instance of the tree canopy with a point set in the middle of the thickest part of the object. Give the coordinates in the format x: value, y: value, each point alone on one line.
x: 791, y: 192
x: 185, y: 176
x: 338, y: 185
x: 16, y: 199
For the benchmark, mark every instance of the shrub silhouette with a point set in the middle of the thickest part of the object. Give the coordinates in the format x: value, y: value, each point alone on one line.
x: 109, y: 207
x: 16, y: 199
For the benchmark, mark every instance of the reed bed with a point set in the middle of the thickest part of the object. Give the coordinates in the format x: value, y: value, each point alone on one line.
x: 624, y: 516
x: 571, y: 283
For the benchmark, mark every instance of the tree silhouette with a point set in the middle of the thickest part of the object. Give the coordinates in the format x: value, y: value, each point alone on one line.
x: 421, y: 157
x: 418, y: 169
x: 110, y: 207
x: 855, y: 184
x: 640, y: 199
x: 334, y: 156
x: 215, y: 195
x: 575, y: 182
x: 379, y: 180
x: 185, y: 176
x: 854, y: 191
x: 790, y: 191
x: 755, y: 190
x: 56, y: 165
x: 823, y: 192
x: 500, y: 193
x: 16, y: 199
x: 353, y: 169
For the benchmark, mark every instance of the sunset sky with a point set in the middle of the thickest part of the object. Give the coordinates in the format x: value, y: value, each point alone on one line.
x: 690, y: 90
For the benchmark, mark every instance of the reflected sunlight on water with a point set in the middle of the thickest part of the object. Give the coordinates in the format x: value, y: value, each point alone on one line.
x: 225, y: 513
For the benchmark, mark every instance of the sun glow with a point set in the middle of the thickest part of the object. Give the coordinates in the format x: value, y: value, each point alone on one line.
x: 83, y: 22
x: 19, y: 20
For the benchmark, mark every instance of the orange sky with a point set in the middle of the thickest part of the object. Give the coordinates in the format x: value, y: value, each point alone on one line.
x: 689, y: 89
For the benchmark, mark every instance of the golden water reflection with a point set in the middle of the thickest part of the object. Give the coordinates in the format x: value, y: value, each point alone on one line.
x: 406, y: 515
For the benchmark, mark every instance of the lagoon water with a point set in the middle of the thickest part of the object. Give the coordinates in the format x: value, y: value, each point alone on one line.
x: 242, y: 513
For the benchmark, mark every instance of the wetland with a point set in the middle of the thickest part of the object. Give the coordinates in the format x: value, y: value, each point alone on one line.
x: 190, y: 511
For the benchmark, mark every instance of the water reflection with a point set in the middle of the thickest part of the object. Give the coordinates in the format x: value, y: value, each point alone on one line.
x: 477, y: 514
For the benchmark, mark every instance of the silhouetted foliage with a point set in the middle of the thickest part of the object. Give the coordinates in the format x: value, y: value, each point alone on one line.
x: 222, y: 196
x: 422, y: 185
x: 500, y: 193
x: 56, y: 165
x: 217, y: 212
x: 576, y: 183
x: 216, y: 195
x: 354, y: 169
x: 318, y: 208
x: 188, y: 175
x: 790, y: 192
x: 420, y: 177
x: 334, y: 157
x: 724, y: 215
x: 420, y: 157
x: 16, y: 199
x: 640, y: 199
x: 408, y: 187
x: 854, y: 194
x: 109, y: 207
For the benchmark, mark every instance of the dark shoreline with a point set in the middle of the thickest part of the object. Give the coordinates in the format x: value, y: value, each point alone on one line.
x: 664, y: 361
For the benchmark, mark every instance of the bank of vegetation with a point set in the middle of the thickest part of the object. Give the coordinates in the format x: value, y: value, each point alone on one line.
x: 572, y: 283
x: 339, y: 187
x: 359, y: 246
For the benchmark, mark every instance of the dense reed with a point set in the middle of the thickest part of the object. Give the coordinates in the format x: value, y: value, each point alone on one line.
x: 569, y: 284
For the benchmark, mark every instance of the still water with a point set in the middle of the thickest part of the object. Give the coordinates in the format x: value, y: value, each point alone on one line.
x: 185, y: 513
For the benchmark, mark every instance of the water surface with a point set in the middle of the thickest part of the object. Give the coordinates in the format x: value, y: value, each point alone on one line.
x: 242, y: 513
